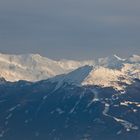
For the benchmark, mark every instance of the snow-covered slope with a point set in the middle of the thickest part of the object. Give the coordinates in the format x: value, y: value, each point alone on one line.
x: 106, y: 72
x: 106, y: 77
x: 100, y: 76
x: 75, y: 77
x: 33, y: 67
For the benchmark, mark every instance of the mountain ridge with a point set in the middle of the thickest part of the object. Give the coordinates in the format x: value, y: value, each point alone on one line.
x: 106, y: 72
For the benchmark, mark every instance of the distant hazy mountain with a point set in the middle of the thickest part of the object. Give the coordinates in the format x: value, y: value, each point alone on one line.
x: 106, y: 72
x: 33, y: 67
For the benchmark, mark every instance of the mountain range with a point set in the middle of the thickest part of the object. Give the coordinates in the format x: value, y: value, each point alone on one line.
x: 106, y: 72
x: 44, y: 99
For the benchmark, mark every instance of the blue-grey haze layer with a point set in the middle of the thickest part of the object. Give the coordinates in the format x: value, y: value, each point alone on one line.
x: 76, y: 29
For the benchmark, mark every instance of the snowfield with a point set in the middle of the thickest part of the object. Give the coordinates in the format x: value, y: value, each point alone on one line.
x: 107, y: 72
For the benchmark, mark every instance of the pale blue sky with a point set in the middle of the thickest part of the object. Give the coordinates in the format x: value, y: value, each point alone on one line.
x: 76, y: 29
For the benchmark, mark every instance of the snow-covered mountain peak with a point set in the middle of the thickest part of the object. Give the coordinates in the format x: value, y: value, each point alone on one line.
x: 103, y: 71
x: 112, y: 62
x: 78, y: 75
x: 99, y: 76
x: 75, y: 77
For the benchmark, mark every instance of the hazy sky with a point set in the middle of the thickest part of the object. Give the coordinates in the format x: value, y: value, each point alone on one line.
x: 75, y: 29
